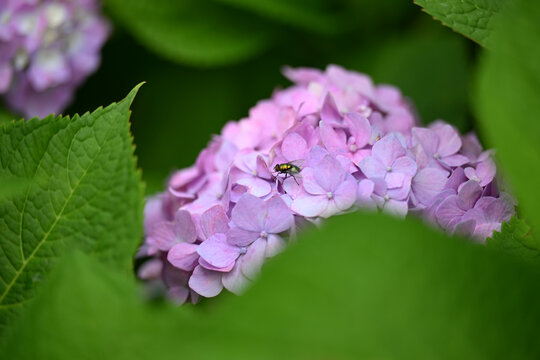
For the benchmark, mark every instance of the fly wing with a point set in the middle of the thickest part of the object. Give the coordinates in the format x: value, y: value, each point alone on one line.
x: 298, y: 163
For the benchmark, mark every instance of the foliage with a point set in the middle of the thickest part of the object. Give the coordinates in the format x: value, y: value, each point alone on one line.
x: 472, y: 18
x: 508, y: 108
x: 81, y: 190
x: 515, y: 238
x: 391, y: 289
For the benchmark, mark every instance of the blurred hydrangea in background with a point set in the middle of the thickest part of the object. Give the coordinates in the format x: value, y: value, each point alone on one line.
x: 47, y: 49
x: 332, y: 143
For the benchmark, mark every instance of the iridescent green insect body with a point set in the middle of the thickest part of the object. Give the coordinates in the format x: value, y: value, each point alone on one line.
x: 289, y: 169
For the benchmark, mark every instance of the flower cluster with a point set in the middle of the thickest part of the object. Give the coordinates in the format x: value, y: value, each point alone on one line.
x: 331, y: 143
x: 47, y: 49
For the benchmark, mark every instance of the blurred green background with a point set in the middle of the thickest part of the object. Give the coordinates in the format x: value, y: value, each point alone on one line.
x: 195, y: 86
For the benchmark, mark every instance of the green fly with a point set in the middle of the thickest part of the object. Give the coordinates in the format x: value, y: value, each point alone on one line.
x: 290, y: 169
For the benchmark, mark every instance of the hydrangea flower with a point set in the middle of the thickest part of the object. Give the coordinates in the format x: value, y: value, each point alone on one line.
x: 47, y: 49
x: 352, y: 144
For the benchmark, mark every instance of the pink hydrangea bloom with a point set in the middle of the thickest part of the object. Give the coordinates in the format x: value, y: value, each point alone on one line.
x: 47, y: 49
x: 350, y: 144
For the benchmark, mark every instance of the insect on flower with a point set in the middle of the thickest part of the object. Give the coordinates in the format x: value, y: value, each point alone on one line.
x: 291, y: 169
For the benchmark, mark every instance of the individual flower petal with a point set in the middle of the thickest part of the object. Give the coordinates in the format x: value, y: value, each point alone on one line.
x: 239, y: 237
x: 486, y: 171
x: 394, y: 180
x: 163, y: 236
x: 309, y: 182
x: 178, y: 294
x: 205, y: 282
x: 373, y: 168
x: 205, y: 264
x: 254, y: 258
x: 328, y: 173
x: 331, y: 139
x: 235, y: 281
x: 294, y: 147
x: 449, y: 213
x: 404, y: 165
x: 429, y: 182
x: 468, y: 194
x: 274, y: 245
x: 185, y: 228
x: 329, y: 110
x: 455, y: 160
x: 395, y: 207
x: 428, y: 139
x: 388, y: 149
x: 213, y: 221
x: 450, y: 142
x: 249, y: 213
x: 345, y: 195
x: 309, y: 205
x: 279, y: 216
x: 183, y: 256
x: 360, y: 128
x: 217, y: 251
x: 465, y: 228
x: 256, y: 186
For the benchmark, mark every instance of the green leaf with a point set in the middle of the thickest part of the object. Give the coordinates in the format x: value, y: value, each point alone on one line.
x: 12, y: 187
x: 362, y: 286
x: 508, y: 109
x: 192, y: 32
x: 85, y: 311
x: 515, y: 238
x: 471, y: 18
x: 83, y: 191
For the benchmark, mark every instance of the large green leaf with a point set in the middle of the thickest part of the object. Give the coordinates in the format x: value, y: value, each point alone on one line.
x: 363, y: 286
x: 192, y: 32
x: 508, y: 104
x: 82, y: 191
x: 472, y: 18
x: 515, y: 238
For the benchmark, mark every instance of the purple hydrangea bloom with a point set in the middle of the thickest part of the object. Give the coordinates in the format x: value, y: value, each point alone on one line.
x: 47, y: 49
x: 331, y: 143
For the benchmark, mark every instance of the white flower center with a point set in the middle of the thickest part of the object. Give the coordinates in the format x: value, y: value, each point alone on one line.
x: 386, y: 197
x: 5, y: 17
x: 264, y: 234
x: 329, y: 195
x: 389, y: 168
x: 56, y: 15
x: 353, y: 147
x: 49, y: 59
x: 437, y: 156
x: 254, y: 173
x: 27, y: 24
x: 20, y: 60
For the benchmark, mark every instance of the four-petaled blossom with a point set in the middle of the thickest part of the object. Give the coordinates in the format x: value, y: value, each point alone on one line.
x: 258, y: 224
x: 441, y: 143
x: 329, y: 189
